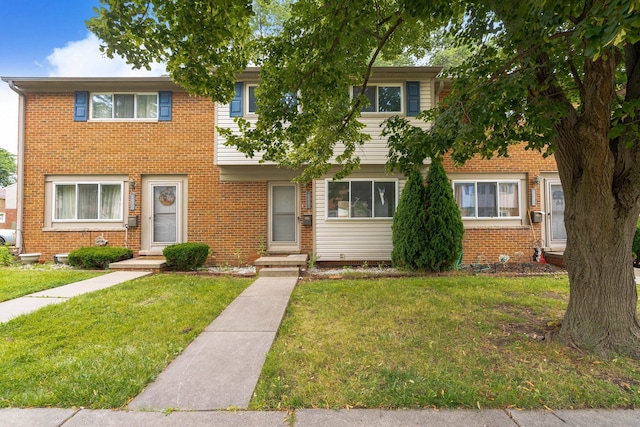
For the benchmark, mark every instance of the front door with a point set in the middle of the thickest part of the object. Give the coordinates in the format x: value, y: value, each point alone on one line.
x: 556, y: 232
x: 284, y: 227
x: 162, y: 216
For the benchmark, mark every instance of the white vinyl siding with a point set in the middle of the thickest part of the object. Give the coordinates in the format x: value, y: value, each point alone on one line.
x: 374, y: 152
x: 355, y: 239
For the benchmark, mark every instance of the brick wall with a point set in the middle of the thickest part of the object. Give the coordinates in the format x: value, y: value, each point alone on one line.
x: 230, y: 217
x: 491, y: 241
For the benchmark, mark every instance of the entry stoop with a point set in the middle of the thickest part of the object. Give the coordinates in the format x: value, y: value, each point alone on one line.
x: 144, y: 263
x: 281, y: 266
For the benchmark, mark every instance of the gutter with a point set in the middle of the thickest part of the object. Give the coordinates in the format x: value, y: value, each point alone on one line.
x: 20, y: 165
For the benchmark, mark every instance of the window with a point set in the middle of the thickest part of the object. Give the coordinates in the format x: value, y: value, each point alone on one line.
x: 87, y: 202
x: 288, y: 99
x: 106, y: 106
x: 488, y: 199
x: 361, y: 199
x: 252, y: 108
x: 2, y: 217
x: 382, y: 99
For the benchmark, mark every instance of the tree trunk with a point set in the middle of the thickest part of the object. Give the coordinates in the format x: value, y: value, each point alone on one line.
x: 601, y: 182
x: 601, y: 315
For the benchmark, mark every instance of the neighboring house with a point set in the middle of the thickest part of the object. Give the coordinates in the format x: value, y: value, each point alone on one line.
x: 8, y: 211
x: 138, y: 162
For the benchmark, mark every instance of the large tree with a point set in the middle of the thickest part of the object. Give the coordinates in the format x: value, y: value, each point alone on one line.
x: 563, y: 76
x: 7, y: 168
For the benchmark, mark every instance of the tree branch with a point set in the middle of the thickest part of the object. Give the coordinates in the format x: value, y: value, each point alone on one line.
x: 367, y: 75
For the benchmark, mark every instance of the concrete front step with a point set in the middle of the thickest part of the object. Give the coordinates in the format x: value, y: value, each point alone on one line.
x: 155, y: 264
x: 280, y: 272
x: 297, y: 260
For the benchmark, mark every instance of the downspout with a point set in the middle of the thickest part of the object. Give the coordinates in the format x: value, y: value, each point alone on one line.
x: 20, y: 165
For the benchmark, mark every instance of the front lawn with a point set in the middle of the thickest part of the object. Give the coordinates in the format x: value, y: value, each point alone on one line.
x: 100, y: 349
x: 458, y: 342
x: 16, y: 282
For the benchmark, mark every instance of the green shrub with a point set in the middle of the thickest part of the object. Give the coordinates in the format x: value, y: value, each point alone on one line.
x: 98, y: 257
x: 186, y: 256
x: 409, y: 235
x: 445, y: 229
x: 6, y: 257
x: 636, y: 245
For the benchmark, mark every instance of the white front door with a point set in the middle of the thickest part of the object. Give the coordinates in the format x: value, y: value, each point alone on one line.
x: 284, y: 227
x: 556, y: 232
x: 162, y: 216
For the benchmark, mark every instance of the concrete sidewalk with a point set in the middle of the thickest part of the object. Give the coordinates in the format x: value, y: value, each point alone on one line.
x: 45, y: 417
x: 220, y: 368
x: 27, y: 304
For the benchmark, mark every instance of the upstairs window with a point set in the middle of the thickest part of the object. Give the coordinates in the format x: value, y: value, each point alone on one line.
x: 382, y: 98
x: 88, y: 201
x: 113, y: 106
x: 488, y: 199
x: 288, y: 99
x: 361, y: 199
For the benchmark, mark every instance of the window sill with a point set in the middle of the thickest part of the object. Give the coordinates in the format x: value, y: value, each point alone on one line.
x: 123, y: 121
x: 105, y: 227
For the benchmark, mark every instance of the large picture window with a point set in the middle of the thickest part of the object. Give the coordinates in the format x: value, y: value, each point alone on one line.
x: 361, y: 199
x: 382, y: 98
x: 87, y: 202
x: 488, y: 199
x: 110, y: 106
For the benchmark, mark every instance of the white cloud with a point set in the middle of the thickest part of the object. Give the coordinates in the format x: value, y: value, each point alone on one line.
x: 8, y: 118
x: 83, y: 58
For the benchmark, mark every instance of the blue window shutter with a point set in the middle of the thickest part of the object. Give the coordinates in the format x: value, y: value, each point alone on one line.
x: 164, y: 106
x: 413, y: 98
x: 81, y: 107
x: 235, y: 107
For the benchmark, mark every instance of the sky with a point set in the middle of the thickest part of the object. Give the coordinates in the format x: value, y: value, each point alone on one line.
x: 49, y: 38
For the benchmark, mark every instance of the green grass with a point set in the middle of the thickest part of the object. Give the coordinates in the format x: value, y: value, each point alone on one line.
x: 461, y: 341
x: 100, y: 349
x: 17, y: 282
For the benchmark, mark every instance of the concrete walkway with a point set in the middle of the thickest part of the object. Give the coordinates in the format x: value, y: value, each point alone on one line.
x: 27, y: 304
x: 220, y: 368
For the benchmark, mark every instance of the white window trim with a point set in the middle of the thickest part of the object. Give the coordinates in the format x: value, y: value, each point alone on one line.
x: 498, y: 182
x: 403, y: 100
x: 88, y: 220
x: 350, y: 218
x: 135, y: 108
x: 3, y: 218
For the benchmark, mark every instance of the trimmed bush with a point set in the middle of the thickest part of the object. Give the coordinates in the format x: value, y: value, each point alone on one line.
x: 409, y: 234
x: 186, y: 256
x: 98, y: 257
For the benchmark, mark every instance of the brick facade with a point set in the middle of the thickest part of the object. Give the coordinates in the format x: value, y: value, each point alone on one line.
x: 230, y: 217
x: 488, y: 242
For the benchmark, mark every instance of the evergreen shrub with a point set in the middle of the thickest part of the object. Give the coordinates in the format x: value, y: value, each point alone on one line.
x: 445, y: 229
x: 98, y: 257
x: 186, y: 256
x: 409, y: 234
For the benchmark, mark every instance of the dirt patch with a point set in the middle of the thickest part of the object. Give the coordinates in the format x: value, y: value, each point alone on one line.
x: 532, y: 327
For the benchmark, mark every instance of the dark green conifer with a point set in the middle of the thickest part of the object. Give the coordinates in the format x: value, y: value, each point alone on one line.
x: 444, y: 227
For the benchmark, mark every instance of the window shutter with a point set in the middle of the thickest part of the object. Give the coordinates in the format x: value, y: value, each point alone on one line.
x: 413, y: 98
x: 164, y: 106
x: 81, y: 107
x: 235, y: 107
